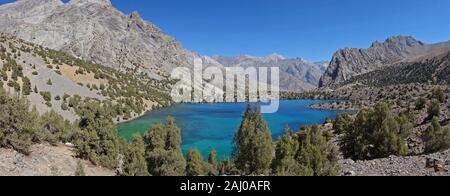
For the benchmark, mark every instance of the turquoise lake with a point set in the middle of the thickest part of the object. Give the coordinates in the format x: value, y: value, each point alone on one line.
x: 212, y: 126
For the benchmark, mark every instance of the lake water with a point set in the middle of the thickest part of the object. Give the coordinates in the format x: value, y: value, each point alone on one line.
x: 212, y: 126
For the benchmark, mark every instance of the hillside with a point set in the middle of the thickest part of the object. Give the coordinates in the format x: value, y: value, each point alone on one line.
x: 53, y: 80
x: 348, y: 63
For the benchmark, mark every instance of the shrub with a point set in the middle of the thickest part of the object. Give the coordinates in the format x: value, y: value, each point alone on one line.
x: 435, y: 137
x: 375, y: 133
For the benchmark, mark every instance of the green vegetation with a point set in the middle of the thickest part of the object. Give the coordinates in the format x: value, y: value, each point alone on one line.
x: 375, y: 133
x: 26, y: 89
x: 163, y: 152
x: 305, y: 154
x: 134, y: 160
x: 15, y: 134
x: 254, y: 145
x: 434, y: 109
x: 421, y: 103
x: 439, y: 95
x: 97, y: 140
x: 196, y: 166
x: 47, y: 96
x: 436, y: 138
x: 80, y: 169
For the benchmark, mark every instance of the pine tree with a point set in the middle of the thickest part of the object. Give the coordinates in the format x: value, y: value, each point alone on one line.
x: 435, y: 137
x: 163, y: 152
x: 195, y: 166
x: 134, y: 161
x: 212, y: 160
x: 254, y: 145
x: 315, y: 154
x: 26, y: 90
x: 284, y: 163
x: 97, y: 140
x: 434, y: 109
x: 375, y: 133
x: 439, y: 95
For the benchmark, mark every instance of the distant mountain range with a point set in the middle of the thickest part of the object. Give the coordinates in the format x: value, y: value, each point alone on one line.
x: 96, y: 31
x: 296, y: 75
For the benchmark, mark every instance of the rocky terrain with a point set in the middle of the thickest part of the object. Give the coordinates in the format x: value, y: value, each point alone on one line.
x: 347, y: 63
x: 437, y: 164
x: 297, y: 75
x: 46, y: 160
x: 94, y: 30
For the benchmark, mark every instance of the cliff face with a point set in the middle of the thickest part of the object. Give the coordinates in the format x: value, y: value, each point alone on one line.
x: 94, y: 30
x: 347, y: 63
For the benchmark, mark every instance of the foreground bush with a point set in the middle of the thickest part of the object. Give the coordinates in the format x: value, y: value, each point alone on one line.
x: 375, y: 133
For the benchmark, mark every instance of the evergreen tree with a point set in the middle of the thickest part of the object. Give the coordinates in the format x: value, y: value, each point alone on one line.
x: 285, y: 163
x: 163, y: 152
x: 134, y: 161
x: 195, y: 166
x: 435, y: 137
x: 434, y: 110
x: 439, y: 95
x: 254, y: 145
x: 343, y: 122
x: 18, y: 125
x: 97, y: 140
x: 375, y: 133
x: 212, y: 160
x: 315, y: 154
x: 26, y: 89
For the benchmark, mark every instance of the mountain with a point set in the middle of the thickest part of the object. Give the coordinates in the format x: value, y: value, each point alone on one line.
x: 94, y: 30
x: 350, y: 62
x: 296, y: 75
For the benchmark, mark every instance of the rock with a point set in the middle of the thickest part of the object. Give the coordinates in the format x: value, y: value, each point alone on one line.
x: 70, y: 145
x: 350, y: 173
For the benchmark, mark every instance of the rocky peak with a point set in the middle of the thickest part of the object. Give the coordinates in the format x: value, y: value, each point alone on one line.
x: 275, y: 57
x: 100, y: 2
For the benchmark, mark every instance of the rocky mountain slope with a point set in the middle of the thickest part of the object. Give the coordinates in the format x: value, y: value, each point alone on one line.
x: 94, y: 30
x: 47, y: 160
x: 53, y: 80
x: 347, y: 63
x: 296, y: 75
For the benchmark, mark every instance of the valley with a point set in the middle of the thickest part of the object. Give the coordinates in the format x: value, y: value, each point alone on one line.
x: 86, y: 91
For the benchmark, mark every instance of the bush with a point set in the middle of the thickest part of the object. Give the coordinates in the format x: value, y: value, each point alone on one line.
x: 163, y: 153
x: 436, y: 138
x: 14, y: 133
x: 439, y: 95
x: 134, y: 160
x: 254, y: 144
x: 47, y: 96
x: 375, y: 133
x: 434, y: 109
x: 421, y: 103
x: 196, y: 166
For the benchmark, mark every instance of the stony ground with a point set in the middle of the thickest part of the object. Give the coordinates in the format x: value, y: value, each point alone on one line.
x: 425, y: 165
x: 46, y: 160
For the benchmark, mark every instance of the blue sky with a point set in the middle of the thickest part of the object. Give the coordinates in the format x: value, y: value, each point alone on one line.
x: 312, y: 29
